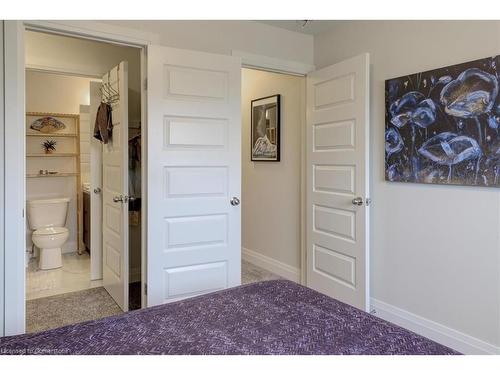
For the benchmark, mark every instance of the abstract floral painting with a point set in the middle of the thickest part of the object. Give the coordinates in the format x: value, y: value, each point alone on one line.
x: 442, y: 126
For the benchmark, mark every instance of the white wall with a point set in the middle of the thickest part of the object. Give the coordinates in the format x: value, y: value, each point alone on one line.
x: 86, y: 131
x: 47, y: 92
x: 223, y: 36
x: 435, y: 249
x: 54, y: 93
x: 271, y: 190
x: 84, y: 57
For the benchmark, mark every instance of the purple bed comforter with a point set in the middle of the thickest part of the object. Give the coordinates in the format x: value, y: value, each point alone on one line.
x: 271, y: 317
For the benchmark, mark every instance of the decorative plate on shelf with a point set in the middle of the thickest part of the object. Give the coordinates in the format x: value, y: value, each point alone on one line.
x: 47, y: 125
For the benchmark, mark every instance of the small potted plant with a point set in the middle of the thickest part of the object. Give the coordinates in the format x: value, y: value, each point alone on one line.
x: 49, y: 146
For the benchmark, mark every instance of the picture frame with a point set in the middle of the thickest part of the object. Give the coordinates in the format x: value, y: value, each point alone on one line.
x: 265, y: 127
x: 442, y: 125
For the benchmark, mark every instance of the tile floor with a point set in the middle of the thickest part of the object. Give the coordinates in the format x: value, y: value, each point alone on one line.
x: 251, y: 273
x: 73, y: 276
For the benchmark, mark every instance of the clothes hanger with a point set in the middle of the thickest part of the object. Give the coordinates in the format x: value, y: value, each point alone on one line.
x: 134, y: 137
x: 109, y: 95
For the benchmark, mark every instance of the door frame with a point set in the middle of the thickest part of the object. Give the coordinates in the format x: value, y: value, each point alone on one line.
x: 2, y: 196
x: 275, y: 65
x: 15, y: 229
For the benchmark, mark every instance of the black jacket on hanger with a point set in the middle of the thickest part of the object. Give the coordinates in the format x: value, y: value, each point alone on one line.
x: 103, y: 127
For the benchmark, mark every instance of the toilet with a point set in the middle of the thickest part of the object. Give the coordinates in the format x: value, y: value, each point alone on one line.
x: 47, y: 217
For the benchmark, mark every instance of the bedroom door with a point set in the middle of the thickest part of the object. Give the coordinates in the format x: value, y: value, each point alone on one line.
x: 194, y: 173
x: 115, y: 189
x: 338, y: 181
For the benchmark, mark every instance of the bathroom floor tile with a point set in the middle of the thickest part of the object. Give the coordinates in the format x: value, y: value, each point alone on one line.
x: 73, y: 276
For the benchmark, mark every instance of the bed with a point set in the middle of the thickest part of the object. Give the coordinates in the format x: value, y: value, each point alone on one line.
x: 270, y: 317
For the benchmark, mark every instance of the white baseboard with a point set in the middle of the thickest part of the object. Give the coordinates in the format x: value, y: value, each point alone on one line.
x: 70, y: 247
x: 271, y: 265
x: 449, y: 337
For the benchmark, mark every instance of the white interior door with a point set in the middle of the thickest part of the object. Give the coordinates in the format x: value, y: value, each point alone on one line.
x: 115, y: 193
x: 194, y: 171
x: 338, y: 181
x: 95, y: 188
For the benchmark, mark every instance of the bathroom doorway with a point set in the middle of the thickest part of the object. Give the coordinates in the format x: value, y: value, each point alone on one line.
x: 82, y: 273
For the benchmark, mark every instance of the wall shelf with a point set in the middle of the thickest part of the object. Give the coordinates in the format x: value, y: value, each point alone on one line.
x: 50, y: 135
x: 51, y: 175
x: 60, y: 154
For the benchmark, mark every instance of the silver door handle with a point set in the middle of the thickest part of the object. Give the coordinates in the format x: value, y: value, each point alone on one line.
x: 358, y: 201
x: 235, y: 201
x: 118, y: 198
x: 97, y: 190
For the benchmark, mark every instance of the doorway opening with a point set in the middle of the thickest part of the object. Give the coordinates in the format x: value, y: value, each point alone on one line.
x: 83, y: 194
x: 273, y: 123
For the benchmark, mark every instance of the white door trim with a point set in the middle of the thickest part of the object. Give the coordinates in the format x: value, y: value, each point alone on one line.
x: 2, y: 196
x: 63, y: 71
x: 95, y: 31
x: 272, y: 64
x: 15, y: 226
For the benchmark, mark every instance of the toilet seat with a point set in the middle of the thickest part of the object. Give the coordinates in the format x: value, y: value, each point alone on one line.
x: 50, y: 231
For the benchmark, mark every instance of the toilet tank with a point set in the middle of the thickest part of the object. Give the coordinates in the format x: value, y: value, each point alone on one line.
x: 47, y: 212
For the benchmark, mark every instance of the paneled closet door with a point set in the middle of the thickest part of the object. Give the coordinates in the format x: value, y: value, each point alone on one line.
x: 194, y: 173
x: 338, y: 181
x: 115, y: 190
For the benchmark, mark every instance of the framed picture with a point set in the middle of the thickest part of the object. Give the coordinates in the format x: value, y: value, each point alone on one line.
x: 442, y: 125
x: 265, y: 124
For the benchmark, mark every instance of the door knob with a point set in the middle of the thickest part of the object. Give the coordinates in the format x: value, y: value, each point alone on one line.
x: 235, y: 201
x: 118, y: 198
x: 97, y: 190
x: 358, y: 201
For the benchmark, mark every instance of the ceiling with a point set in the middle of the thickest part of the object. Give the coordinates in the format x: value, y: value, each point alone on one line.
x: 310, y: 27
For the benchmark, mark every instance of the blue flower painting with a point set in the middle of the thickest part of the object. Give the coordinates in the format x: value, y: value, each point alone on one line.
x: 442, y: 126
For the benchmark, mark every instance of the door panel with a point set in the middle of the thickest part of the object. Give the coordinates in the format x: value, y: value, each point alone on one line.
x: 194, y: 169
x: 115, y: 184
x: 337, y: 172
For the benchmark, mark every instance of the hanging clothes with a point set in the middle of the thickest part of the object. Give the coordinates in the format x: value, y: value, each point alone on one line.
x: 103, y: 127
x: 134, y: 150
x: 134, y: 165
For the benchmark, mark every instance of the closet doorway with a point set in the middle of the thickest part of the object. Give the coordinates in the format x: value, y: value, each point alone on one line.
x: 96, y: 270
